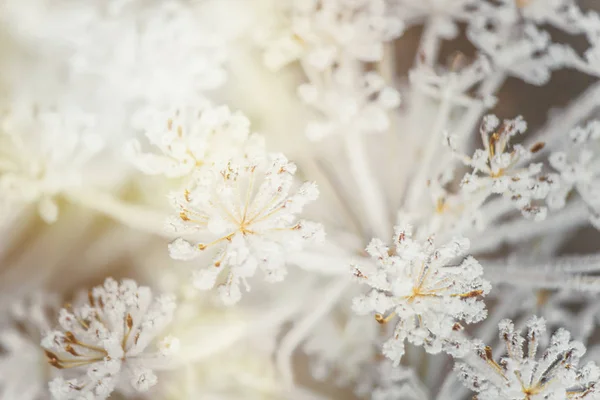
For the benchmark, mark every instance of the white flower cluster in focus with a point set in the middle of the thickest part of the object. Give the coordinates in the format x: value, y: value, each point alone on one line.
x: 108, y: 337
x: 519, y: 375
x: 422, y: 287
x: 247, y: 211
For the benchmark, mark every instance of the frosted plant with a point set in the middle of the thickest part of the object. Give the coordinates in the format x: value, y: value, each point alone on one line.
x: 108, y: 336
x: 499, y: 165
x: 322, y: 32
x: 190, y: 137
x: 43, y: 153
x: 480, y: 206
x: 519, y: 375
x: 429, y: 295
x: 23, y: 368
x: 248, y: 214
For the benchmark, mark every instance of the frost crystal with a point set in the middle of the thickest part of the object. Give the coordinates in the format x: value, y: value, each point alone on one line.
x: 497, y: 168
x: 424, y: 290
x: 190, y: 137
x: 518, y: 375
x: 42, y: 155
x: 246, y: 211
x: 109, y: 335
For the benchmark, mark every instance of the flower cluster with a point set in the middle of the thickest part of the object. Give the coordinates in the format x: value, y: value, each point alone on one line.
x: 579, y: 169
x: 109, y: 335
x: 43, y: 152
x: 497, y: 168
x: 519, y: 375
x: 323, y: 32
x: 421, y: 286
x: 247, y: 213
x: 190, y: 137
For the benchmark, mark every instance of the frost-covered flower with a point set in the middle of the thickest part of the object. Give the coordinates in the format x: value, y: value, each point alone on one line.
x: 349, y: 103
x: 190, y: 137
x: 518, y: 375
x: 323, y: 32
x: 246, y: 211
x: 24, y: 372
x: 579, y: 168
x: 109, y: 336
x: 422, y: 287
x: 43, y: 153
x: 497, y: 168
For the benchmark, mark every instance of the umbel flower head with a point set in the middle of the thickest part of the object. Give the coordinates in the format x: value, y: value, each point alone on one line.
x: 190, y: 137
x: 429, y: 295
x: 518, y: 375
x: 497, y: 168
x: 108, y: 336
x: 42, y: 154
x: 246, y: 211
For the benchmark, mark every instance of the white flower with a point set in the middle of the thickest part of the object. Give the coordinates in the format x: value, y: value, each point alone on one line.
x: 190, y: 137
x: 518, y: 375
x: 43, y: 153
x: 497, y: 168
x: 322, y: 32
x: 350, y: 102
x: 108, y: 335
x: 247, y: 212
x: 421, y: 286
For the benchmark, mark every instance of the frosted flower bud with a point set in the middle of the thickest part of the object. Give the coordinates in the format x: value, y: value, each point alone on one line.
x: 107, y: 337
x: 248, y: 214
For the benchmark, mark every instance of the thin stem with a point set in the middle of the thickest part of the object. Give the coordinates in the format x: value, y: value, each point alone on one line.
x: 521, y: 229
x: 374, y: 205
x: 131, y: 215
x: 321, y: 307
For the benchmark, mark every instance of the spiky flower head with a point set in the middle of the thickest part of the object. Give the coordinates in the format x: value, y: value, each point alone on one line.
x: 498, y: 168
x: 425, y: 289
x: 108, y: 337
x: 518, y: 375
x: 189, y: 137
